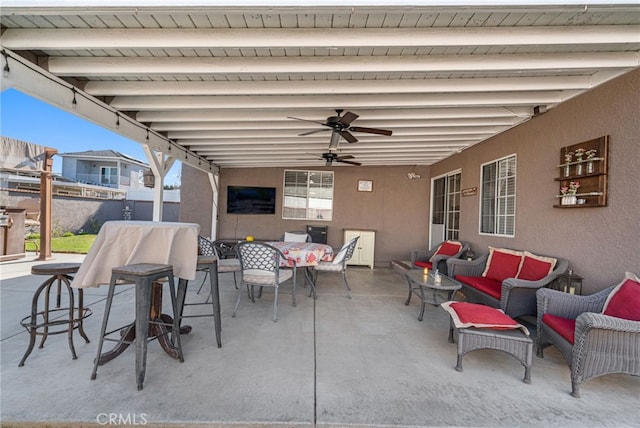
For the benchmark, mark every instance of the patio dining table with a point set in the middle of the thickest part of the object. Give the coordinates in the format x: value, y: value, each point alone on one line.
x: 305, y: 254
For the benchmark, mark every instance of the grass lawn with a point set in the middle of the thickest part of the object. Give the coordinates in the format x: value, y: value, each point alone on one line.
x: 78, y: 244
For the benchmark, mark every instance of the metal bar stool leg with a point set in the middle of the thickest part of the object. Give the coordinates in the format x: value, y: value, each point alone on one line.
x: 143, y: 307
x: 103, y: 329
x: 215, y: 301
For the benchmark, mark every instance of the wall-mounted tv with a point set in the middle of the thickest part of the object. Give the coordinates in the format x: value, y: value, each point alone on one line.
x: 251, y: 200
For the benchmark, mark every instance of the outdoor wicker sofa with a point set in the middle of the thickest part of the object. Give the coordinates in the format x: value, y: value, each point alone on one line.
x: 600, y: 344
x: 514, y: 293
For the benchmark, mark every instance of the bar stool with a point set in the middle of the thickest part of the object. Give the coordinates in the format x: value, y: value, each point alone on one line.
x: 43, y: 322
x: 210, y: 265
x: 150, y: 323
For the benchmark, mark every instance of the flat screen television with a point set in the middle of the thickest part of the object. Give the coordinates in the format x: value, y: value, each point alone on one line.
x: 251, y: 200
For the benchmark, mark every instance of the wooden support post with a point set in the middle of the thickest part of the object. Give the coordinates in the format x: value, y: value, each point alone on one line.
x: 46, y: 202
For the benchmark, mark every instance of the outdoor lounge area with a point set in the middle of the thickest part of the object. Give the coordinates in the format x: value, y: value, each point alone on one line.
x: 503, y: 134
x: 365, y: 361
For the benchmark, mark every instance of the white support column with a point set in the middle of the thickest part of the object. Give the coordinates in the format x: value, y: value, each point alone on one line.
x: 215, y: 189
x: 160, y: 165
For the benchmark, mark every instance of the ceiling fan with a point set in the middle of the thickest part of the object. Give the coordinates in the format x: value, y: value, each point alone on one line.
x: 341, y: 127
x: 330, y: 157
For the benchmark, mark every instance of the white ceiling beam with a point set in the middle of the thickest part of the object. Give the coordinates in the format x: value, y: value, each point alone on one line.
x: 156, y: 66
x: 301, y: 141
x: 326, y: 132
x: 330, y: 101
x: 319, y: 38
x: 222, y: 115
x: 249, y: 149
x: 306, y: 87
x: 300, y: 127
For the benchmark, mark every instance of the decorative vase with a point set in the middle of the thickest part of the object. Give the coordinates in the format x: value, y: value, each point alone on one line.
x: 573, y: 199
x: 567, y: 170
x: 590, y: 167
x: 579, y: 169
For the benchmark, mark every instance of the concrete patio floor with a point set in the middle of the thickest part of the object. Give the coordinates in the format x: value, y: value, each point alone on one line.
x: 332, y: 362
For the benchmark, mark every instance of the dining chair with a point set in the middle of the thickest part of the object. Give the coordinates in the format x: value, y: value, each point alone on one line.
x: 209, y: 248
x: 296, y: 236
x: 262, y: 266
x: 338, y: 264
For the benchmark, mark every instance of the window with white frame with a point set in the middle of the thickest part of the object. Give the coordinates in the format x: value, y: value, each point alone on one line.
x: 108, y: 175
x: 308, y: 195
x: 498, y: 197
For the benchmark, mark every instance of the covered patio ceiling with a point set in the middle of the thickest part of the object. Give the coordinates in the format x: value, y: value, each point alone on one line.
x: 224, y: 81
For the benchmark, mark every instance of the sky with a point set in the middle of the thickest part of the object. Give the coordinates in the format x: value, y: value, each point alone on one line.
x: 29, y: 119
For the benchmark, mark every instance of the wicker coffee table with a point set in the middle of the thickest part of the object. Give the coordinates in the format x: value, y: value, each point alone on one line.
x: 423, y: 285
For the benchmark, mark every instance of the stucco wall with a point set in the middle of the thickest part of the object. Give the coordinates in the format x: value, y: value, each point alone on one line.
x: 397, y: 209
x: 600, y: 243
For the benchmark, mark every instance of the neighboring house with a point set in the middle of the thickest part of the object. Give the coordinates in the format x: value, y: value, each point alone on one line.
x: 104, y: 167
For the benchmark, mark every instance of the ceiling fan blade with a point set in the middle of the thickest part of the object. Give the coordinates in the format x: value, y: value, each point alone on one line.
x: 370, y: 130
x: 348, y: 136
x: 349, y: 162
x: 312, y: 132
x: 347, y: 118
x: 307, y: 120
x: 345, y: 157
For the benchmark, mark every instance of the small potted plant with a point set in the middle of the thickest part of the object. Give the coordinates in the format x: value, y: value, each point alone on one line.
x: 567, y: 160
x: 579, y: 154
x: 590, y: 155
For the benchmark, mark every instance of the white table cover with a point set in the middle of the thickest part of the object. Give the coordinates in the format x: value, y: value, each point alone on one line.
x: 127, y: 242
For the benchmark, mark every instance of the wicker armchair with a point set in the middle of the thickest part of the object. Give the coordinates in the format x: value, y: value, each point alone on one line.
x: 517, y: 296
x: 602, y: 344
x: 422, y: 258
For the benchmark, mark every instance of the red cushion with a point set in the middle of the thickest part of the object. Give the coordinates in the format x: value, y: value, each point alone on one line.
x: 487, y: 285
x: 449, y: 248
x: 534, y: 269
x: 624, y: 301
x: 502, y: 265
x: 466, y: 314
x: 423, y: 264
x: 565, y: 327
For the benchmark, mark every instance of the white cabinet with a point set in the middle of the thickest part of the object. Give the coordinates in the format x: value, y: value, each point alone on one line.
x: 364, y: 252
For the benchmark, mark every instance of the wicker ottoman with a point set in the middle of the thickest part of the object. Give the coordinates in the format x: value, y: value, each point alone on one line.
x: 512, y: 341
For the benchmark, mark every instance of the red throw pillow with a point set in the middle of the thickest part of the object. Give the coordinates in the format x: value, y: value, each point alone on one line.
x: 534, y: 269
x: 624, y: 301
x: 449, y: 248
x: 502, y: 264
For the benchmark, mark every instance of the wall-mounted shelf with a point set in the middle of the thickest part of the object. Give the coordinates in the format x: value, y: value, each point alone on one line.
x: 590, y: 173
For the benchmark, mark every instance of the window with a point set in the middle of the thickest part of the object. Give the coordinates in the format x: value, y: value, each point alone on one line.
x: 446, y: 205
x: 308, y: 195
x: 498, y: 197
x: 108, y: 175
